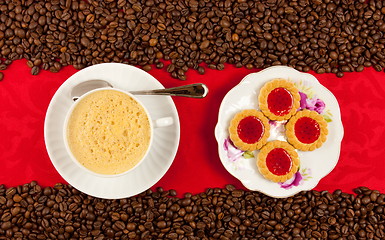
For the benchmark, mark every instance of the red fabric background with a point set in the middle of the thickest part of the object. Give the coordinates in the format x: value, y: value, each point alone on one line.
x: 24, y: 99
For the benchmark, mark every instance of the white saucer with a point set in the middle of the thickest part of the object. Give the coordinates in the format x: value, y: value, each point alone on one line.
x: 160, y: 156
x: 314, y: 165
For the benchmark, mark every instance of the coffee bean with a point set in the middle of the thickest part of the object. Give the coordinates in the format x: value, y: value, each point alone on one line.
x: 153, y: 42
x: 366, y: 200
x: 221, y: 66
x: 85, y: 42
x: 316, y: 234
x: 235, y: 37
x: 90, y: 18
x: 10, y: 192
x: 35, y: 70
x: 205, y: 44
x: 162, y: 224
x: 6, y: 225
x: 6, y: 217
x: 237, y: 193
x: 147, y: 68
x: 227, y: 212
x: 172, y: 193
x: 281, y: 47
x: 119, y: 225
x: 159, y: 65
x: 17, y: 198
x: 1, y: 76
x: 340, y: 74
x: 225, y: 23
x: 212, y: 66
x: 268, y: 36
x: 201, y: 70
x: 350, y: 213
x: 245, y: 34
x: 171, y: 68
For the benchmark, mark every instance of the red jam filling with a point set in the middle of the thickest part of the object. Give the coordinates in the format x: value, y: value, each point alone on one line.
x: 278, y: 161
x: 280, y: 101
x: 250, y: 129
x: 307, y: 130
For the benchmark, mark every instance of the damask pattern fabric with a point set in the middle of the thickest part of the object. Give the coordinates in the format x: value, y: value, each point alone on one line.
x: 24, y: 100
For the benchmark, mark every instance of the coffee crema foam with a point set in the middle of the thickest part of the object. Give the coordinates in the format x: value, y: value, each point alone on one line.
x: 108, y: 132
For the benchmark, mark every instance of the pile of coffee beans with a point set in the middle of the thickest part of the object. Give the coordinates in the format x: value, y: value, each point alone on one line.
x: 322, y: 35
x: 61, y: 212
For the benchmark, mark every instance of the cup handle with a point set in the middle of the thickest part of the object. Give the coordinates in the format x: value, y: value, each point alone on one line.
x: 163, y: 122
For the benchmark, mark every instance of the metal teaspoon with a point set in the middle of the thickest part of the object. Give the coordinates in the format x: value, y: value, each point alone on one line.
x: 196, y: 90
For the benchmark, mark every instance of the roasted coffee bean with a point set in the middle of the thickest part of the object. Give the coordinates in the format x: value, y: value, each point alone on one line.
x: 35, y: 70
x: 10, y: 192
x: 350, y: 213
x: 220, y: 66
x: 147, y: 68
x: 162, y: 224
x: 205, y: 44
x: 6, y: 225
x: 237, y: 193
x: 29, y: 211
x: 6, y: 217
x: 3, y: 66
x: 325, y: 37
x: 1, y: 76
x: 201, y: 70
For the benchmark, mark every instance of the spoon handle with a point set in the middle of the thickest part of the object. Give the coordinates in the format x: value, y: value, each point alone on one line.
x: 197, y: 90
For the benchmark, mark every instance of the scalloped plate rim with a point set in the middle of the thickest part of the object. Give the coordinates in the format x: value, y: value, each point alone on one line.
x: 308, y: 77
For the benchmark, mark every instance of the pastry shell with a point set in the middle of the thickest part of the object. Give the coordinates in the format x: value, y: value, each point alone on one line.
x: 233, y: 130
x: 292, y: 138
x: 264, y: 170
x: 270, y: 86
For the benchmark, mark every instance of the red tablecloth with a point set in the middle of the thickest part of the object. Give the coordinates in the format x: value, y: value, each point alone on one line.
x: 24, y: 99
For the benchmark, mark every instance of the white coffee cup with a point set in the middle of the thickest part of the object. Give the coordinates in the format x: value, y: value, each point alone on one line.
x: 78, y: 149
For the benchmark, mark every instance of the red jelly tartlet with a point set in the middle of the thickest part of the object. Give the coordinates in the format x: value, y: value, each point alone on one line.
x: 279, y: 99
x: 249, y: 130
x: 278, y: 161
x: 306, y: 130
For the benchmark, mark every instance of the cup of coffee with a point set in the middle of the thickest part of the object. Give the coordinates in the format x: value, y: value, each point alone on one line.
x: 108, y: 132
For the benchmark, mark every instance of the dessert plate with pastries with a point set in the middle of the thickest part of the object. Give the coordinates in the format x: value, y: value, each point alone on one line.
x: 279, y: 131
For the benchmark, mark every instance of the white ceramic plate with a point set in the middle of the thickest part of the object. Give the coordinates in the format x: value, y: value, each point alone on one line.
x: 163, y: 148
x: 314, y: 165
